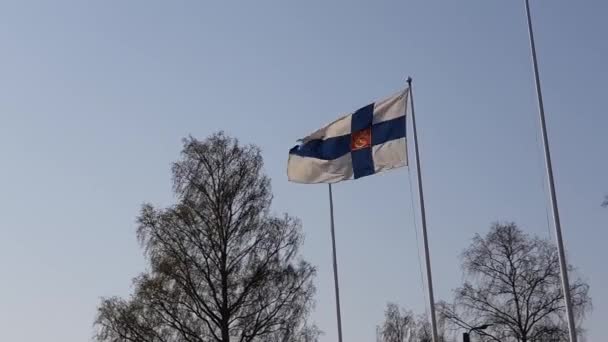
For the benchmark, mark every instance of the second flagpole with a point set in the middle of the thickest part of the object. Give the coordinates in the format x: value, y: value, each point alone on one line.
x: 423, y: 217
x: 335, y: 259
x: 550, y: 179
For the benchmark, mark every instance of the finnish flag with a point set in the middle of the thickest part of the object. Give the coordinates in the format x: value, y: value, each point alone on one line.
x: 368, y: 141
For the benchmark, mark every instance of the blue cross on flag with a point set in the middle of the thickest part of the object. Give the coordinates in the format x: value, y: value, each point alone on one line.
x: 368, y: 141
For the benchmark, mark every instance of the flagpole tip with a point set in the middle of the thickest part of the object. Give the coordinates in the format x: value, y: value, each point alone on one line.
x: 409, y: 80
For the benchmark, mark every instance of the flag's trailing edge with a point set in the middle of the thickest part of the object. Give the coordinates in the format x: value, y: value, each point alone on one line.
x: 368, y: 141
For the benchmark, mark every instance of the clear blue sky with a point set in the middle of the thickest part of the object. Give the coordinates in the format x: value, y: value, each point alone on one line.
x: 96, y: 95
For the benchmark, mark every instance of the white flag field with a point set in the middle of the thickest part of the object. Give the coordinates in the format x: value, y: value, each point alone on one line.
x: 363, y: 143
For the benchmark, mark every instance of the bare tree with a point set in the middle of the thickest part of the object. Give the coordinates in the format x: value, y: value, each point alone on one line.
x: 222, y: 268
x: 513, y: 282
x: 424, y: 331
x: 399, y: 324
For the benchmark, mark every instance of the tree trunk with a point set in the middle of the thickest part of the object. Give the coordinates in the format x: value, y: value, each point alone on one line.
x: 225, y: 314
x: 225, y: 333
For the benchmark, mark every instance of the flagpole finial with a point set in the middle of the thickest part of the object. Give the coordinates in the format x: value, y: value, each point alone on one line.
x: 409, y: 80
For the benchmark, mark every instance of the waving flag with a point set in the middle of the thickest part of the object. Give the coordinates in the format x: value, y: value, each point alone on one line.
x: 368, y: 141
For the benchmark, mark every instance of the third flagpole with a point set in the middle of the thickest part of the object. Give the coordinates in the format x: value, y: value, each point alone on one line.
x: 556, y: 221
x: 423, y: 217
x: 335, y: 258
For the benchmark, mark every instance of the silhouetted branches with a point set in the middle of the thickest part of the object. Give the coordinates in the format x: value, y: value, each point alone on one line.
x: 222, y: 268
x: 513, y: 282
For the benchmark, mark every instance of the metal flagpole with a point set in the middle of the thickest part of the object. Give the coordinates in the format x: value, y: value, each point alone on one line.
x: 333, y: 245
x: 423, y: 215
x: 556, y: 220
